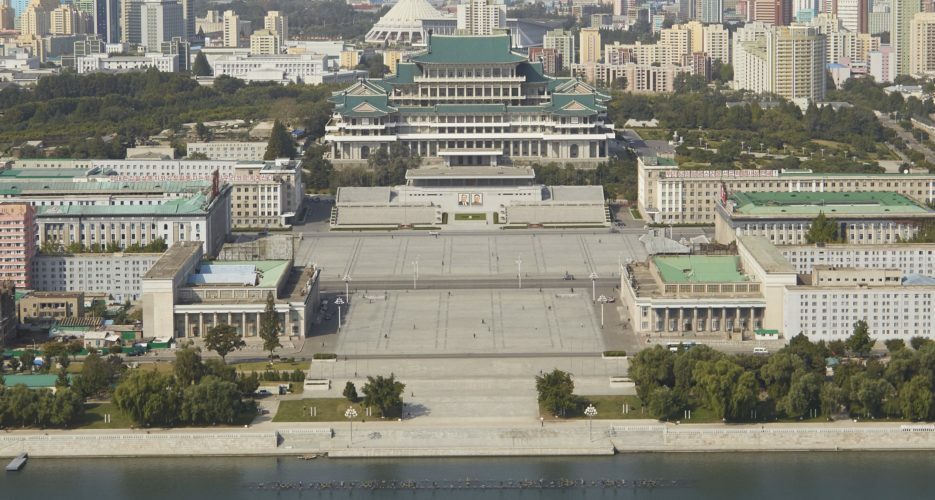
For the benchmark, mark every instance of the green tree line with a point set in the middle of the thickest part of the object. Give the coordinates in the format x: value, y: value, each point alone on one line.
x: 791, y: 383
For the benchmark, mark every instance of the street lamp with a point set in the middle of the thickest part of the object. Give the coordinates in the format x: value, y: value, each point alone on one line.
x: 593, y: 277
x: 350, y: 414
x: 590, y: 412
x: 339, y: 302
x: 519, y: 271
x: 415, y: 272
x: 603, y: 300
x: 347, y: 280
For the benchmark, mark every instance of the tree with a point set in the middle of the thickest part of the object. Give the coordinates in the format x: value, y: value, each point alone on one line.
x: 651, y: 368
x: 223, y: 339
x: 822, y: 230
x: 27, y: 359
x: 726, y: 388
x: 97, y: 375
x: 212, y: 401
x: 915, y: 399
x: 871, y: 393
x: 53, y: 350
x: 350, y: 391
x: 188, y: 366
x: 663, y: 402
x: 832, y: 398
x: 270, y: 326
x: 778, y: 372
x: 893, y: 345
x: 201, y: 67
x: 149, y: 398
x: 804, y: 394
x: 384, y: 393
x: 61, y: 381
x: 203, y: 132
x: 98, y: 309
x: 860, y: 342
x: 75, y: 347
x: 280, y: 143
x: 556, y: 391
x: 917, y: 342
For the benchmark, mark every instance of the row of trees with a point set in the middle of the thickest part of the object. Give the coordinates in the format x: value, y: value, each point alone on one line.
x: 55, y: 247
x: 617, y: 176
x: 197, y: 393
x: 21, y: 406
x: 790, y: 383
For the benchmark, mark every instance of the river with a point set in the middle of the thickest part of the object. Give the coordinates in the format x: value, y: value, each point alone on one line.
x: 763, y: 476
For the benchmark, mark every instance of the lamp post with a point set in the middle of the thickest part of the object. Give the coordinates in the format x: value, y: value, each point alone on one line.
x: 415, y: 272
x: 603, y: 300
x: 350, y: 414
x: 519, y: 271
x: 590, y: 412
x: 347, y: 291
x: 339, y: 302
x: 593, y: 277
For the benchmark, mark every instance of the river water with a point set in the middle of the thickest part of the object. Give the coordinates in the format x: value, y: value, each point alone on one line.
x: 762, y: 476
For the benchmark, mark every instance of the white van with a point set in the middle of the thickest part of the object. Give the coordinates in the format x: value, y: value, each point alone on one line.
x: 760, y: 350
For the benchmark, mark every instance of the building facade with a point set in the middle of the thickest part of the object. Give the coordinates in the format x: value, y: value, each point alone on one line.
x: 117, y: 275
x: 17, y: 243
x: 788, y: 61
x: 859, y: 218
x: 922, y: 45
x: 49, y: 306
x: 903, y: 12
x: 228, y: 150
x: 184, y: 296
x: 668, y: 195
x: 471, y: 101
x: 563, y: 42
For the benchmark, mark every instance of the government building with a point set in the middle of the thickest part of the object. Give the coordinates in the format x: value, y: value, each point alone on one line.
x: 471, y: 101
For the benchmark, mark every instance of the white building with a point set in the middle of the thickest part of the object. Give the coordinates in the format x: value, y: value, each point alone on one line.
x: 922, y: 45
x: 409, y: 23
x: 563, y: 42
x: 282, y: 68
x: 93, y: 63
x: 229, y: 150
x: 278, y: 23
x: 118, y: 275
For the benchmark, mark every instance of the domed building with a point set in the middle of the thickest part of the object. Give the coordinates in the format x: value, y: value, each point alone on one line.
x: 409, y: 22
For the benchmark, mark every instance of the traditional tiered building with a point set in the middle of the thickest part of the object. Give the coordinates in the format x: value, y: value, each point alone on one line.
x: 471, y: 100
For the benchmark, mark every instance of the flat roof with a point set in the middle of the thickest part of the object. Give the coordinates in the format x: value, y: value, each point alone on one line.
x: 766, y: 254
x: 43, y: 173
x: 699, y: 268
x: 171, y: 261
x: 270, y: 271
x: 35, y: 185
x: 471, y: 173
x: 352, y: 194
x: 194, y: 205
x: 593, y: 194
x: 810, y: 204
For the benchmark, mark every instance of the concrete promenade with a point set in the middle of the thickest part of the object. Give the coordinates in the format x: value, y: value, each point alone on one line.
x: 483, y: 437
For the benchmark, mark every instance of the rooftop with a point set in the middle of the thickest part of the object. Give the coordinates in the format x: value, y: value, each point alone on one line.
x: 35, y: 185
x: 42, y: 173
x: 766, y: 254
x: 491, y: 49
x: 194, y: 205
x: 168, y: 266
x: 269, y: 272
x: 810, y: 204
x: 699, y: 269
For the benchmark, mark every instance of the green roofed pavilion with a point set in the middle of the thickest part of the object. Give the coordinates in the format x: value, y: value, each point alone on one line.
x: 699, y: 269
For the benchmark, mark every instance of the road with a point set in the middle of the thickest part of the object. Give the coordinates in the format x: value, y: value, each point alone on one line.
x: 464, y: 284
x: 906, y: 136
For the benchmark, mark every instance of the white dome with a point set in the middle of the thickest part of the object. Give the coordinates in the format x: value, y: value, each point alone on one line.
x: 412, y: 11
x: 405, y: 23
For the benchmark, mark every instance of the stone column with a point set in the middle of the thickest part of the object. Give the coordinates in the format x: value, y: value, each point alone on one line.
x: 723, y: 319
x: 243, y: 324
x: 186, y: 330
x: 665, y: 324
x: 201, y: 324
x: 694, y: 319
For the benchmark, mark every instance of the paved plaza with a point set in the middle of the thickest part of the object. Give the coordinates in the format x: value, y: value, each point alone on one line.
x: 449, y: 255
x: 470, y: 321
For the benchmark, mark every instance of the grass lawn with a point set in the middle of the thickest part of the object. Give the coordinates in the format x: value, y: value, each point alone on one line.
x: 328, y: 410
x: 480, y: 216
x: 661, y: 134
x: 165, y: 368
x: 608, y: 407
x: 635, y: 213
x: 262, y: 366
x: 93, y: 417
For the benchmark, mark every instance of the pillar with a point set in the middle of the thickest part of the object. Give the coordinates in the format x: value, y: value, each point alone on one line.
x: 665, y: 324
x: 243, y: 324
x: 186, y: 330
x: 695, y: 319
x: 201, y: 324
x: 723, y: 319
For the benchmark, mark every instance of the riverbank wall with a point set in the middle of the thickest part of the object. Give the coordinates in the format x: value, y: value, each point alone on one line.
x: 409, y: 439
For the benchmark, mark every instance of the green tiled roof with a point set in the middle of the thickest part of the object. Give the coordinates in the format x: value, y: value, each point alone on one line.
x: 42, y: 173
x: 34, y: 186
x: 491, y: 49
x: 699, y: 269
x: 193, y: 205
x: 810, y: 204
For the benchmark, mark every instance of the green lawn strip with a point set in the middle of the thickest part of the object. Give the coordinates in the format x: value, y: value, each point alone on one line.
x: 93, y: 417
x: 327, y: 410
